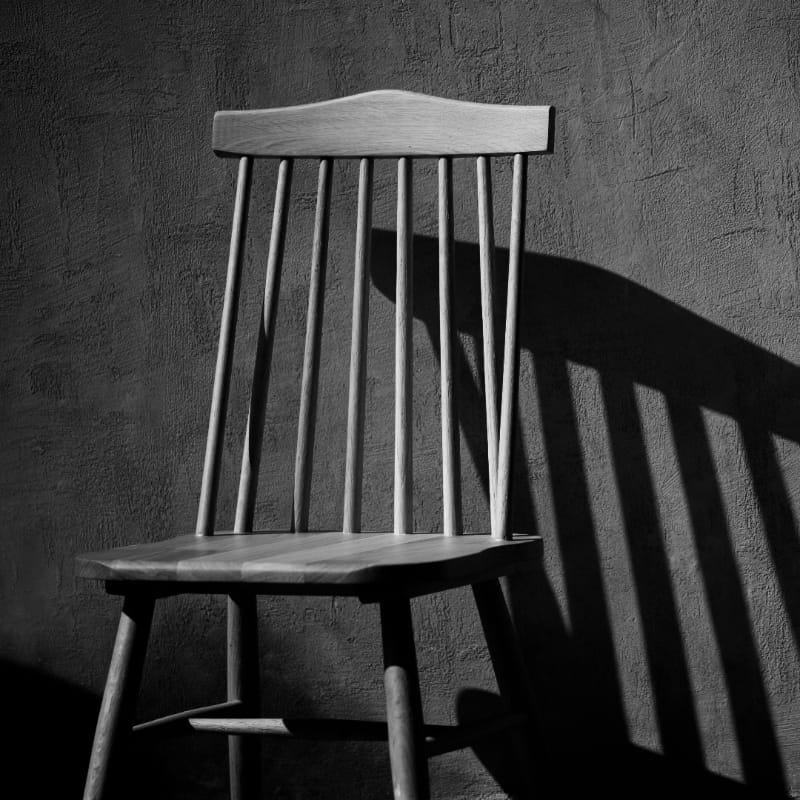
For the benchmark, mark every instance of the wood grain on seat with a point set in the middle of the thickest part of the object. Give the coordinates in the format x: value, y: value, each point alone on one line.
x: 328, y: 558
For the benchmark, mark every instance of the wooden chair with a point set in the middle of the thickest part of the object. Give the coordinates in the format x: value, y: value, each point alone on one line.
x: 384, y: 568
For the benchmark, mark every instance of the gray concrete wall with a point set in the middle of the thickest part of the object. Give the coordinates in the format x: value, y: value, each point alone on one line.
x: 659, y: 385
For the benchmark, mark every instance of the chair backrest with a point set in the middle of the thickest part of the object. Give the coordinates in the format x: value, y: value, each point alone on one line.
x: 384, y: 124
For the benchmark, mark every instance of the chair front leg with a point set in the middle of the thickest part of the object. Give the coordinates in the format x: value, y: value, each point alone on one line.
x: 403, y: 703
x: 243, y: 685
x: 121, y: 690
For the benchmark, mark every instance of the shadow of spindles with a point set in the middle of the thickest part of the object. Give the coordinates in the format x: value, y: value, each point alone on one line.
x: 598, y: 699
x: 666, y: 656
x: 578, y: 313
x: 758, y: 746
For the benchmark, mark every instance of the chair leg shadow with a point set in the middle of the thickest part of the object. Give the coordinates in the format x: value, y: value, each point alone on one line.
x: 621, y: 768
x: 500, y: 753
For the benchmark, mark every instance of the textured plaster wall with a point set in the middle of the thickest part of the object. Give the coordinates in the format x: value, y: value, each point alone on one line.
x: 660, y: 393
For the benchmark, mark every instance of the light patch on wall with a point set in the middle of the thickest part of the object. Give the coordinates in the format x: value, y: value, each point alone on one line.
x: 787, y: 453
x: 617, y: 575
x: 760, y: 515
x: 705, y: 666
x: 705, y: 673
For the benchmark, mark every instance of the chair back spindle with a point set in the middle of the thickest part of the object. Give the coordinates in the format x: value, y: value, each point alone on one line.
x: 206, y: 511
x: 310, y: 380
x: 486, y: 247
x: 500, y: 529
x: 254, y: 432
x: 354, y: 458
x: 404, y: 348
x: 451, y: 499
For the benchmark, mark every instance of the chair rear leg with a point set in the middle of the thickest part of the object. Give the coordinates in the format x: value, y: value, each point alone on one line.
x: 509, y: 668
x: 121, y: 690
x: 243, y: 685
x: 403, y: 704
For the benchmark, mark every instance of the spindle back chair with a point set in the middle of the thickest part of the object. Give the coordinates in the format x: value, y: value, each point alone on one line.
x: 386, y: 568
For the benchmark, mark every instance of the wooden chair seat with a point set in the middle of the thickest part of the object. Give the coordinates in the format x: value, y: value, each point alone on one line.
x: 342, y: 563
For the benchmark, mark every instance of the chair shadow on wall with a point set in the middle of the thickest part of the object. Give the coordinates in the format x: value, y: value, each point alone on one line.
x: 579, y: 313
